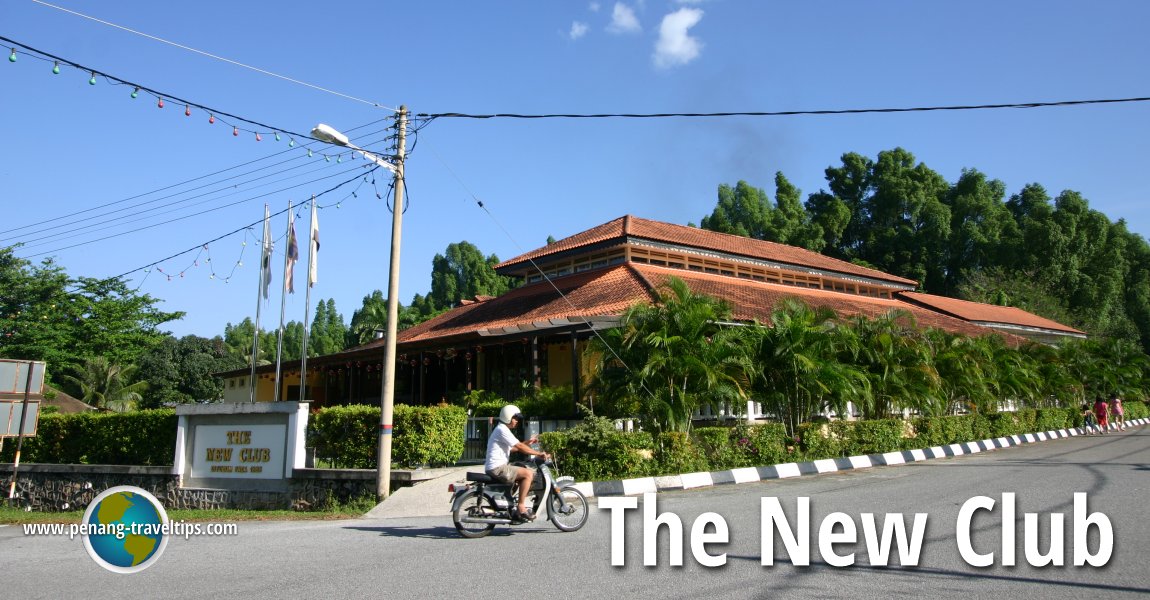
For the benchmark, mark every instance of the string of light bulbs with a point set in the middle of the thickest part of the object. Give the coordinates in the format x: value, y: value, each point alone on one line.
x: 214, y: 114
x: 245, y: 227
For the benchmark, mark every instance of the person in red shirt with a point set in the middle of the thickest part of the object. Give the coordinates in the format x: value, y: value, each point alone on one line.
x: 1102, y: 413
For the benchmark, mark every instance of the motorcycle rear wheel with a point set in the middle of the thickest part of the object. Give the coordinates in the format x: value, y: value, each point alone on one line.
x: 568, y: 509
x: 474, y: 504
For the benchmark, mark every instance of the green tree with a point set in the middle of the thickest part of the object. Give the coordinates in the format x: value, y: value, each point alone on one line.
x: 742, y: 210
x: 898, y: 363
x: 369, y: 317
x: 796, y: 367
x: 47, y: 315
x: 179, y: 371
x: 238, y: 342
x: 462, y: 272
x: 981, y: 228
x: 107, y: 385
x: 328, y: 333
x: 672, y: 357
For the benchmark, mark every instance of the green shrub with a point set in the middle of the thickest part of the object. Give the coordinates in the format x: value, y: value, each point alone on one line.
x: 821, y: 440
x: 428, y: 435
x: 1135, y: 410
x: 716, y: 447
x: 941, y: 431
x: 1053, y: 419
x: 595, y: 450
x: 676, y: 453
x: 872, y: 437
x: 143, y: 437
x: 1001, y: 424
x: 348, y: 436
x: 765, y: 445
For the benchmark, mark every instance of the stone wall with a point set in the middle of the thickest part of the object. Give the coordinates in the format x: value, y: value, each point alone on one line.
x: 52, y: 488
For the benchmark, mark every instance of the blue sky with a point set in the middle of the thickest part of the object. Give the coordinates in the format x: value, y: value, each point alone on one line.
x: 71, y: 147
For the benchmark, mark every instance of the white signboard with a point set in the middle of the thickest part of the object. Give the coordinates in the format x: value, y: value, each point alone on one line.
x: 239, y: 451
x: 10, y: 415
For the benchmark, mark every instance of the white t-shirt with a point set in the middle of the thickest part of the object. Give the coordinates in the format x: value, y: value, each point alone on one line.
x: 499, y: 447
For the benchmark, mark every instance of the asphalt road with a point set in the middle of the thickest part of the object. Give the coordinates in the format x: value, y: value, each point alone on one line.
x: 425, y: 558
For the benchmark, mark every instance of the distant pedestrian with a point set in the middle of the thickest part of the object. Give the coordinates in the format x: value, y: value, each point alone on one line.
x: 1089, y: 423
x: 1102, y: 413
x: 1117, y: 411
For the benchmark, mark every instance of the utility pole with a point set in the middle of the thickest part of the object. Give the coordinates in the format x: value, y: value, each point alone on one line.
x: 326, y: 133
x: 383, y: 485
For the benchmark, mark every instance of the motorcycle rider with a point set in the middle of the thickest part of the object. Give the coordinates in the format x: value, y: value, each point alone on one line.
x: 498, y: 465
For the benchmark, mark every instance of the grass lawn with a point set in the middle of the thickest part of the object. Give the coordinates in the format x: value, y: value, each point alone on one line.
x: 353, y: 510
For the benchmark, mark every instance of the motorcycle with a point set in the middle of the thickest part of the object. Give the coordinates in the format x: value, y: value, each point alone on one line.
x: 482, y: 502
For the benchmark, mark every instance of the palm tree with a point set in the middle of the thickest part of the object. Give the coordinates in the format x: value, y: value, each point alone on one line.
x: 107, y: 385
x: 797, y: 370
x: 964, y: 369
x: 668, y: 359
x: 898, y: 364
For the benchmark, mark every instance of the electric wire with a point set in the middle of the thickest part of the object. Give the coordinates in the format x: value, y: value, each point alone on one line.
x: 152, y: 226
x: 156, y: 212
x: 192, y: 180
x: 545, y: 276
x: 89, y: 223
x: 782, y: 113
x: 220, y: 58
x: 245, y: 227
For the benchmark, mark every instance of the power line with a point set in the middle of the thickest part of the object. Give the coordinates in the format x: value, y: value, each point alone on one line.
x: 188, y: 181
x: 235, y: 231
x: 139, y: 229
x: 220, y: 58
x: 93, y: 221
x: 781, y: 113
x: 158, y: 94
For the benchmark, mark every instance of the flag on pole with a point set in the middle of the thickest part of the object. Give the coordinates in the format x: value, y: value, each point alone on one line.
x: 266, y: 262
x: 292, y: 255
x: 313, y: 249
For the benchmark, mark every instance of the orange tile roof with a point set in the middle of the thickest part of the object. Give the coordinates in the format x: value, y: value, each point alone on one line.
x: 630, y: 226
x: 755, y: 300
x: 608, y: 292
x: 598, y: 293
x: 987, y: 313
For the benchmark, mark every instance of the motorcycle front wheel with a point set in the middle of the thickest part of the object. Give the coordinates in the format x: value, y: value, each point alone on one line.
x: 568, y: 509
x: 474, y: 505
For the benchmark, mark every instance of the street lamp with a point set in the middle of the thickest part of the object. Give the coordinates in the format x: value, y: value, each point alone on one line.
x: 325, y: 133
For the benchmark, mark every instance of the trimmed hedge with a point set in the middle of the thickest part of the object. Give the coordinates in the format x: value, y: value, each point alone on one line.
x: 144, y: 437
x: 595, y: 450
x: 348, y: 436
x: 618, y: 455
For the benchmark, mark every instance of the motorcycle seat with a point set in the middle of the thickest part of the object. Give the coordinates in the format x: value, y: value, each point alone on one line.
x: 482, y: 478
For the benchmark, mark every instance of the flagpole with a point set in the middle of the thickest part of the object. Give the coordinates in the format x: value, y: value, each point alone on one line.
x: 283, y: 302
x: 311, y: 256
x: 260, y: 290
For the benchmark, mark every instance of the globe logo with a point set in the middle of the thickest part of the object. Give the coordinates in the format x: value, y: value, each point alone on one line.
x: 125, y: 529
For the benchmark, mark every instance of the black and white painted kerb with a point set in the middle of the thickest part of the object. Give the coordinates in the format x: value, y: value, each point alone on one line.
x: 686, y: 481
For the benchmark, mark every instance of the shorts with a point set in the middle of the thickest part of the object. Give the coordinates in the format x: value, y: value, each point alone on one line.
x: 505, y: 473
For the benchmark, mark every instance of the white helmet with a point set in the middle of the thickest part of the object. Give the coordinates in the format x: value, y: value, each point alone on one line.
x: 509, y: 412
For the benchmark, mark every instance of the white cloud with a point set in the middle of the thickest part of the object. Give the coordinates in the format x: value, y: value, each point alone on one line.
x: 623, y: 20
x: 675, y: 46
x: 578, y: 30
x: 594, y: 6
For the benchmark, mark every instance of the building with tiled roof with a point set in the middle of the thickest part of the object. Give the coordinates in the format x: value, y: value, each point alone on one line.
x: 533, y: 334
